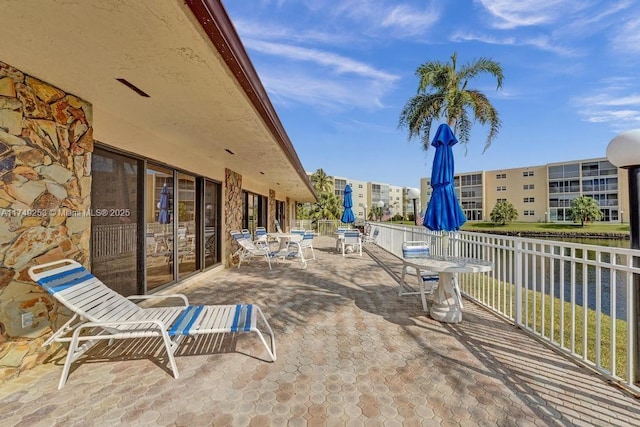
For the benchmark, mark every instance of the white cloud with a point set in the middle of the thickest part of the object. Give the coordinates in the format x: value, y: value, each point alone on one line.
x: 542, y: 42
x: 509, y: 14
x: 410, y: 21
x: 627, y: 36
x: 401, y: 18
x: 336, y: 95
x: 612, y: 116
x: 612, y: 104
x: 262, y: 31
x: 337, y: 63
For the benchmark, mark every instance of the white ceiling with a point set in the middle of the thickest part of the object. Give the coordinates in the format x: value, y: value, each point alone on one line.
x: 196, y: 108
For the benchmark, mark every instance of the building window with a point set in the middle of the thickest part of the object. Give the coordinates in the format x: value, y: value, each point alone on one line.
x: 527, y: 173
x: 529, y: 213
x: 501, y: 200
x: 359, y: 185
x: 501, y: 188
x: 528, y: 187
x: 529, y: 199
x: 501, y: 176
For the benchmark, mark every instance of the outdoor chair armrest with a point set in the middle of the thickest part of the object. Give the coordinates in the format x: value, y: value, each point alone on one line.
x: 140, y: 297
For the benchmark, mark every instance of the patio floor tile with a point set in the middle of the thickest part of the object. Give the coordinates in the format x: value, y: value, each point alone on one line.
x: 350, y: 352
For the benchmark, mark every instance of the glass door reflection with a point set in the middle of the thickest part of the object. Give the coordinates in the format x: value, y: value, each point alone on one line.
x: 160, y: 224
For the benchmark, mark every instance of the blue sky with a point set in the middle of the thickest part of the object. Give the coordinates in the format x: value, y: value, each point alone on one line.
x: 339, y: 73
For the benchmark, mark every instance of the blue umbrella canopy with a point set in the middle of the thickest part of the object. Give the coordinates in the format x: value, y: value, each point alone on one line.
x: 163, y: 215
x: 443, y: 212
x: 347, y: 215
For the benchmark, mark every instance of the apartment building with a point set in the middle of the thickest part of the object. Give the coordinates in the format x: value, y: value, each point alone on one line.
x: 358, y: 193
x: 541, y: 193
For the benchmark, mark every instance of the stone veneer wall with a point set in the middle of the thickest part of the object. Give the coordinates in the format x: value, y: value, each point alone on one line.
x: 46, y: 141
x: 271, y: 213
x: 232, y: 212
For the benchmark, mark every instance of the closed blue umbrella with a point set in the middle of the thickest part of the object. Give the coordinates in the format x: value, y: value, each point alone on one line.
x: 347, y: 215
x: 163, y: 204
x: 443, y: 212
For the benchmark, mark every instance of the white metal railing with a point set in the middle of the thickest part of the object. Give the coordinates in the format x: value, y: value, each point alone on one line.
x: 113, y: 240
x: 578, y: 298
x: 305, y: 224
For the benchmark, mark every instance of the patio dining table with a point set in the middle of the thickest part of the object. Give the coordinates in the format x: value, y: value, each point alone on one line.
x: 284, y: 241
x: 447, y: 303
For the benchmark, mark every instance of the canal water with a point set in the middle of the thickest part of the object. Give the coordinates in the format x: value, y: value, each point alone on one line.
x: 589, y: 283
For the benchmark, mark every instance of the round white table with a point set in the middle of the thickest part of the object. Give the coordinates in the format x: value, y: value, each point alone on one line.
x: 447, y: 304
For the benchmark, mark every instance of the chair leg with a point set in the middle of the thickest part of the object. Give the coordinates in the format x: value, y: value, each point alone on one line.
x: 169, y: 348
x: 271, y: 350
x: 71, y: 351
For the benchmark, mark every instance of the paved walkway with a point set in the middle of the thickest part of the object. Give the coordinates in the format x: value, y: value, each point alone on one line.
x: 350, y: 352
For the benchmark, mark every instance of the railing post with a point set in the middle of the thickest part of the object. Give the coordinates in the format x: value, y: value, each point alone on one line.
x: 517, y: 282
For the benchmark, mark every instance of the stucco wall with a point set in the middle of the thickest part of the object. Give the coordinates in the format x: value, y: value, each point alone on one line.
x: 46, y: 141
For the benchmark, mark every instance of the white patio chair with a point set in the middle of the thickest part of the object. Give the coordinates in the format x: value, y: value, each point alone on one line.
x: 339, y: 237
x: 307, y: 243
x: 100, y: 313
x: 294, y: 249
x: 370, y: 236
x: 427, y: 281
x: 351, y: 238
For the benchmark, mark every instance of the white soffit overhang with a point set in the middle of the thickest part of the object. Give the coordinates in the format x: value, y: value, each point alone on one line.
x: 196, y: 109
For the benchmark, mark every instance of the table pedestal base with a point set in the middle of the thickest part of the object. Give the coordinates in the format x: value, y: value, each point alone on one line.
x: 446, y: 307
x: 445, y: 313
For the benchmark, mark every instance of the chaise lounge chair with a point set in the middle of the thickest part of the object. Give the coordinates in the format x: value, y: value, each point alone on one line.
x: 103, y: 314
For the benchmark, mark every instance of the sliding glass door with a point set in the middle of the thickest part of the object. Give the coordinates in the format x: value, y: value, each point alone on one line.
x: 161, y: 226
x: 159, y: 232
x: 114, y: 231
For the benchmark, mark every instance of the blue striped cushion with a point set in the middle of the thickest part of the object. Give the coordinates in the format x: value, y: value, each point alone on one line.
x: 242, y: 318
x: 66, y: 279
x: 182, y: 325
x: 416, y: 252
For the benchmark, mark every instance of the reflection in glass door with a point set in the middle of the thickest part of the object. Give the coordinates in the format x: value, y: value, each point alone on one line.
x: 159, y: 212
x: 114, y: 237
x: 211, y: 223
x: 187, y: 244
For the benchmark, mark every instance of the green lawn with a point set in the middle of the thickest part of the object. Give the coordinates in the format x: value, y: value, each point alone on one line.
x: 556, y: 311
x: 540, y: 227
x: 547, y: 227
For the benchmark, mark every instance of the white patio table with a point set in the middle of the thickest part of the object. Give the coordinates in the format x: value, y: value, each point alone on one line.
x: 447, y: 303
x: 284, y: 241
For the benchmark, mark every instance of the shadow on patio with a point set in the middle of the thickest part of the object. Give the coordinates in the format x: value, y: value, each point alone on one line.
x: 350, y: 352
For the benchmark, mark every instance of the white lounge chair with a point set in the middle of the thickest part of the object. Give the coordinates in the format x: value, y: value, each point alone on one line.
x: 100, y: 313
x: 261, y: 237
x: 252, y: 250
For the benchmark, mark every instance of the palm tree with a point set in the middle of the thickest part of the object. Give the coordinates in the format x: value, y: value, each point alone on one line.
x: 322, y: 182
x: 329, y: 206
x: 585, y: 208
x: 443, y: 93
x: 503, y: 212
